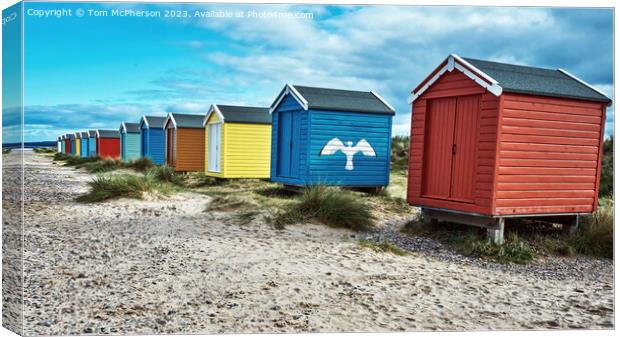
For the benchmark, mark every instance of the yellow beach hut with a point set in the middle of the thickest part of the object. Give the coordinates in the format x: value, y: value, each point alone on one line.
x: 78, y: 140
x: 237, y: 142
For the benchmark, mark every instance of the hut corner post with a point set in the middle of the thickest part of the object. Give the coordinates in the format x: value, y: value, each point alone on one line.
x: 571, y: 226
x: 495, y: 234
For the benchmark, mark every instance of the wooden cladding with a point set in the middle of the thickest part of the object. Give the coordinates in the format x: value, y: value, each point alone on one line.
x: 515, y: 154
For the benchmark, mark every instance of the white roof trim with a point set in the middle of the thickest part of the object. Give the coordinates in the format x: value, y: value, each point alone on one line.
x: 582, y: 82
x: 97, y: 135
x: 455, y: 62
x: 170, y: 117
x: 383, y: 101
x: 77, y: 135
x: 123, y: 127
x: 216, y: 109
x: 146, y: 122
x: 289, y: 89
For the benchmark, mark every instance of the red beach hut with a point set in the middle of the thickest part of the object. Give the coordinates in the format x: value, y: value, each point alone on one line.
x: 492, y: 140
x: 108, y: 144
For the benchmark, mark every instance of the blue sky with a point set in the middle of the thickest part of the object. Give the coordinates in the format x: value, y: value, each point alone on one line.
x: 94, y: 72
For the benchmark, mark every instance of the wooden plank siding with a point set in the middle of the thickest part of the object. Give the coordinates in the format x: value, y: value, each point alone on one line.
x: 246, y: 151
x: 455, y: 84
x: 548, y: 155
x: 190, y: 150
x: 130, y: 146
x: 351, y: 127
x: 109, y: 148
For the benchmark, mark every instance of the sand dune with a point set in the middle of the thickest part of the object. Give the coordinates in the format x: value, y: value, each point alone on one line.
x: 155, y: 266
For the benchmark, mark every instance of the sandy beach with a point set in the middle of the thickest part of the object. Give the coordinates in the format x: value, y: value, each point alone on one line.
x: 167, y: 266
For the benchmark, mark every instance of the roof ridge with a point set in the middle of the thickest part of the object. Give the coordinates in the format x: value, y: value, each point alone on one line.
x: 333, y: 89
x: 242, y: 106
x: 509, y: 64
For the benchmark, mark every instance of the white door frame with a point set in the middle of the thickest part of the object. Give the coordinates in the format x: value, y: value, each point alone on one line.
x: 215, y: 148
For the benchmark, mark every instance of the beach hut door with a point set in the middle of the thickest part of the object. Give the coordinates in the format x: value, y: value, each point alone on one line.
x: 288, y: 144
x: 215, y: 146
x: 450, y: 148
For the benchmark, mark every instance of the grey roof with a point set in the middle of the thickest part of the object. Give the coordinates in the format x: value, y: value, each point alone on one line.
x: 109, y: 133
x: 92, y: 133
x: 84, y: 134
x: 71, y: 136
x: 188, y: 121
x: 78, y: 135
x: 245, y: 114
x: 131, y: 127
x: 343, y: 100
x: 155, y: 122
x: 537, y: 81
x: 59, y: 138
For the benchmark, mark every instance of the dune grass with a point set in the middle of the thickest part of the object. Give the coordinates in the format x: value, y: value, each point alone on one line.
x: 595, y: 236
x: 329, y: 205
x: 140, y: 165
x: 526, y: 240
x: 97, y: 165
x: 383, y: 247
x: 400, y: 153
x: 105, y: 187
x: 472, y: 241
x: 164, y: 174
x: 6, y: 151
x: 44, y: 150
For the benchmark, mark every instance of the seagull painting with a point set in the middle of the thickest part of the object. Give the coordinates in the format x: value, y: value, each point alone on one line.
x: 335, y: 145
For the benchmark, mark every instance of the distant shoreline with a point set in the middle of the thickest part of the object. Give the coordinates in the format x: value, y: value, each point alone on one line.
x: 28, y: 145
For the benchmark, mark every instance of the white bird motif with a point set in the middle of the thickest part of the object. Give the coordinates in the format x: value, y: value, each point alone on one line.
x: 335, y: 145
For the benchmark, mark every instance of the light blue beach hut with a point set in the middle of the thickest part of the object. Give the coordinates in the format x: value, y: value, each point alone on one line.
x: 84, y: 144
x: 130, y: 141
x: 92, y: 143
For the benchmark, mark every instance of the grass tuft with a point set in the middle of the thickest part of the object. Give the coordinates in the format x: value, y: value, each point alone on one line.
x: 6, y: 151
x: 45, y: 150
x: 77, y: 161
x: 595, y: 236
x: 165, y: 174
x: 225, y: 203
x: 400, y: 153
x: 514, y: 250
x: 100, y: 165
x: 329, y: 205
x: 383, y: 247
x: 61, y: 156
x: 472, y: 241
x: 199, y: 179
x: 140, y: 165
x: 116, y: 186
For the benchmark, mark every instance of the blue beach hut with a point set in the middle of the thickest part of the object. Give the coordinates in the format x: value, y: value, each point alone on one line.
x: 72, y: 143
x: 84, y: 144
x: 62, y: 144
x: 331, y: 137
x: 130, y: 141
x: 92, y: 143
x: 153, y: 138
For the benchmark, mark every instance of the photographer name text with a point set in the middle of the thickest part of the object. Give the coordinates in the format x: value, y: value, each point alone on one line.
x: 181, y: 14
